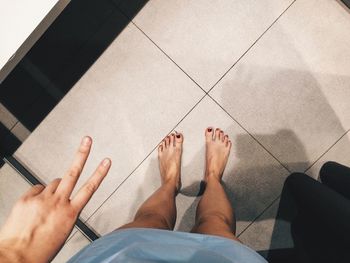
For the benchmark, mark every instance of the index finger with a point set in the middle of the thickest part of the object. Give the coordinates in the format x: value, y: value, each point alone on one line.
x: 89, y: 188
x: 69, y: 180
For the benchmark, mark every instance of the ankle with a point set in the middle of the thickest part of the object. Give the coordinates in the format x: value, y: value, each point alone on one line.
x: 212, y: 176
x: 172, y: 183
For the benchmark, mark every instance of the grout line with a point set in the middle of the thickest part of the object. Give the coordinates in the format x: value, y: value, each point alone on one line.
x: 251, y: 46
x: 132, y: 172
x: 255, y: 139
x: 206, y: 93
x: 169, y: 57
x: 254, y: 220
x: 154, y: 43
x: 329, y: 148
x: 13, y: 126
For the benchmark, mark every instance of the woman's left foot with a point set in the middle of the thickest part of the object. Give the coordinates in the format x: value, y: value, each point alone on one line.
x: 169, y: 157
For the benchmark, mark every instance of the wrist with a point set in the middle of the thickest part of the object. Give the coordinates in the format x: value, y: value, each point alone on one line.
x: 10, y: 253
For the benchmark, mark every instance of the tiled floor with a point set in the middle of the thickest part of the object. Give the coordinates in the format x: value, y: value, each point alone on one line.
x: 274, y: 74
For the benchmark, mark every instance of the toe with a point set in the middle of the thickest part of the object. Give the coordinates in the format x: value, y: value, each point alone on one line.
x: 172, y: 139
x: 217, y: 134
x: 167, y: 141
x: 160, y: 149
x: 178, y: 139
x: 229, y: 144
x: 209, y: 133
x: 221, y: 136
x: 225, y: 138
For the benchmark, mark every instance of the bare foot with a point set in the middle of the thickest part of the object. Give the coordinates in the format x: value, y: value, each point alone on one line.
x: 169, y: 156
x: 218, y: 148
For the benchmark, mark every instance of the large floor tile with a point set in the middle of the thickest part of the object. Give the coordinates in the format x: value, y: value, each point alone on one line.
x: 206, y: 37
x: 12, y: 187
x: 253, y: 178
x: 291, y: 90
x: 127, y: 101
x: 339, y: 153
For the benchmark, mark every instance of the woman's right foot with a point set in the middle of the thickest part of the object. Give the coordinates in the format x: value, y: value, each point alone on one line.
x: 218, y: 148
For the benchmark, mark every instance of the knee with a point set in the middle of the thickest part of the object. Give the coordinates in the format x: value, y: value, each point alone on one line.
x: 154, y: 217
x: 295, y: 179
x: 215, y: 219
x: 327, y: 169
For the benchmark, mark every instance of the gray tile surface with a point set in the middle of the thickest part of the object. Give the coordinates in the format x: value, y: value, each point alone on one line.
x: 206, y: 37
x: 290, y: 92
x: 126, y: 102
x: 292, y: 88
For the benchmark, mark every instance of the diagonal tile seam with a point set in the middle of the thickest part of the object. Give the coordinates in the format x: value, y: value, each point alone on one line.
x: 14, y: 125
x: 132, y: 172
x: 251, y: 135
x: 161, y: 50
x: 256, y: 41
x: 329, y: 148
x: 274, y: 201
x: 259, y: 215
x: 171, y: 59
x: 206, y: 94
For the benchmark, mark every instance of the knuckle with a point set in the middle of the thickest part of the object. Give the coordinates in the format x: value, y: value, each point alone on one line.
x: 90, y: 187
x: 74, y: 172
x: 83, y: 149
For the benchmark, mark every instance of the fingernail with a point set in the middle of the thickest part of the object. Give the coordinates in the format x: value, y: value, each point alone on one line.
x: 210, y: 129
x: 178, y: 136
x: 86, y: 141
x: 106, y: 162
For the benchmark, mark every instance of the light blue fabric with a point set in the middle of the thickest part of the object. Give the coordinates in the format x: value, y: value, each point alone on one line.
x: 153, y: 245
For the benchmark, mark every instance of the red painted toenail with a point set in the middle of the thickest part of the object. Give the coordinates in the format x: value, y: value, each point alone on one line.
x: 178, y: 136
x: 210, y: 129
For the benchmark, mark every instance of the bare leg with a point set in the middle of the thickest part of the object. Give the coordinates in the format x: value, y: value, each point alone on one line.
x: 214, y: 214
x: 159, y: 210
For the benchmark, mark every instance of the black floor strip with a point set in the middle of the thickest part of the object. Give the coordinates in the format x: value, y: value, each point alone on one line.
x: 33, y: 180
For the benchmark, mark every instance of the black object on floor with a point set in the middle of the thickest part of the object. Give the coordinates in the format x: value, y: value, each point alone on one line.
x: 320, y: 216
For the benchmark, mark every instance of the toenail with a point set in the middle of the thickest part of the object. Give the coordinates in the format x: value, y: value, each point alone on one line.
x: 178, y: 136
x: 210, y: 129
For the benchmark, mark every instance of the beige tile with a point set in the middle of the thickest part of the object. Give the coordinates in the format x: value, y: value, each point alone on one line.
x: 292, y: 87
x: 253, y: 178
x: 12, y: 187
x: 339, y: 153
x: 20, y: 132
x: 75, y: 244
x: 205, y: 38
x: 127, y: 102
x: 268, y: 231
x: 6, y: 117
